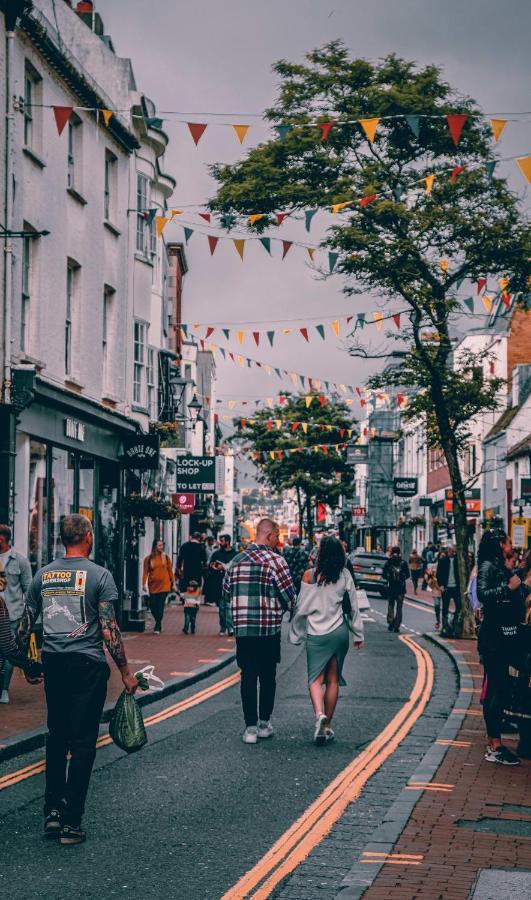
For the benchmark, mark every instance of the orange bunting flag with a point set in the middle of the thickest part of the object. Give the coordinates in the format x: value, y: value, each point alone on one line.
x: 160, y: 224
x: 524, y: 164
x: 310, y: 251
x: 62, y: 116
x: 294, y: 377
x: 335, y: 327
x: 239, y: 244
x: 503, y: 282
x: 240, y: 336
x: 286, y: 247
x: 378, y: 317
x: 197, y: 130
x: 241, y: 131
x: 497, y: 126
x: 366, y: 200
x: 456, y: 123
x: 304, y: 332
x: 337, y: 207
x: 428, y: 181
x: 444, y: 265
x: 212, y: 243
x: 175, y: 212
x: 305, y: 427
x: 326, y: 128
x: 106, y: 113
x: 487, y: 302
x: 255, y: 218
x: 369, y: 126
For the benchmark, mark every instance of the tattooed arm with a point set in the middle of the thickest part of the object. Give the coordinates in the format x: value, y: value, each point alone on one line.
x: 114, y: 643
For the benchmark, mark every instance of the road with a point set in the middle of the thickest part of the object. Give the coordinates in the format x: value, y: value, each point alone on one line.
x: 187, y: 817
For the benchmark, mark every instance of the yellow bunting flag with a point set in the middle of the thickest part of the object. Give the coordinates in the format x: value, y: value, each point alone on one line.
x: 503, y: 282
x: 308, y: 400
x: 444, y: 265
x: 429, y: 183
x: 241, y: 360
x: 525, y: 166
x: 106, y: 113
x: 272, y: 454
x: 329, y: 428
x: 240, y: 336
x: 287, y: 330
x: 337, y: 207
x: 317, y: 383
x: 241, y: 131
x: 305, y: 427
x: 378, y: 316
x: 231, y: 404
x: 239, y: 244
x: 255, y: 218
x: 294, y: 377
x: 175, y: 212
x: 160, y: 224
x: 349, y: 401
x: 497, y: 126
x: 278, y: 423
x: 269, y: 370
x: 311, y: 251
x: 487, y: 302
x: 335, y: 327
x: 369, y: 126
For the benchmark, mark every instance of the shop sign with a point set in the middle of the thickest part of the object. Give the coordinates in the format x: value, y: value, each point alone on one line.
x: 405, y: 487
x: 185, y: 503
x: 525, y: 491
x: 472, y: 500
x: 520, y: 531
x: 357, y: 454
x: 195, y: 474
x: 425, y: 501
x: 141, y: 451
x: 75, y: 430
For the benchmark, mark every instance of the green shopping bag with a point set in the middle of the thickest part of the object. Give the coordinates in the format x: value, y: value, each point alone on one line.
x: 126, y: 726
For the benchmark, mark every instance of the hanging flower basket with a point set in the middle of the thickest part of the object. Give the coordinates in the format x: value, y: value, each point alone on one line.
x: 412, y: 522
x: 153, y: 507
x: 167, y: 431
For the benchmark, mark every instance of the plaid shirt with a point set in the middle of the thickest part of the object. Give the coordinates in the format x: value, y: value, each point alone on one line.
x: 259, y: 588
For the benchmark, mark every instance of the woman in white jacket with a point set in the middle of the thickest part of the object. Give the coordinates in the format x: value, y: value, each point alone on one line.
x: 321, y: 620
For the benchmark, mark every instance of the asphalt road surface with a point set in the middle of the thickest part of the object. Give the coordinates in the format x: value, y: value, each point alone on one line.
x: 192, y: 812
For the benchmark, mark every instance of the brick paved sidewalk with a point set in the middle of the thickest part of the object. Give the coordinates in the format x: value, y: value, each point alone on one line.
x: 172, y: 653
x: 472, y: 818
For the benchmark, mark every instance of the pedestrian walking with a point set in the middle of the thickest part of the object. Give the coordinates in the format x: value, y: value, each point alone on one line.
x: 159, y: 580
x: 219, y: 562
x: 260, y: 590
x: 191, y: 600
x: 9, y: 648
x: 415, y: 567
x: 17, y: 573
x: 447, y: 573
x: 191, y: 561
x: 76, y: 599
x: 396, y: 573
x: 297, y: 559
x: 435, y: 588
x: 325, y: 613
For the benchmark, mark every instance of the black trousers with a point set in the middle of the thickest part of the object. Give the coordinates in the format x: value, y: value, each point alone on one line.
x: 498, y: 690
x: 257, y: 658
x: 450, y: 593
x: 156, y: 608
x: 190, y: 615
x: 395, y: 602
x: 75, y: 689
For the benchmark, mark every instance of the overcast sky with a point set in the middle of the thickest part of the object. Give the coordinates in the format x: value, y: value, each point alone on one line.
x: 205, y: 56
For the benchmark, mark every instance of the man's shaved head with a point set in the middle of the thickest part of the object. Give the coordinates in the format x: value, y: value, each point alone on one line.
x: 267, y: 532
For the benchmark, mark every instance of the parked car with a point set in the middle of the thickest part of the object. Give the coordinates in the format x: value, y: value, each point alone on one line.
x: 368, y: 568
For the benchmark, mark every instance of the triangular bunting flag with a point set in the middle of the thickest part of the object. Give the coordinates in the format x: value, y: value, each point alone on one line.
x: 326, y: 128
x: 506, y: 299
x: 241, y: 131
x: 106, y: 113
x: 414, y: 124
x: 332, y: 260
x: 337, y: 207
x: 369, y: 126
x: 487, y: 302
x: 286, y: 247
x: 398, y: 190
x: 497, y: 126
x: 226, y: 333
x: 227, y: 220
x: 310, y: 251
x: 256, y: 336
x: 150, y: 215
x: 188, y: 232
x: 469, y: 303
x: 335, y: 327
x: 456, y: 123
x: 212, y: 243
x: 444, y: 265
x: 197, y: 130
x: 175, y: 212
x: 294, y: 377
x: 266, y: 244
x: 240, y: 336
x: 209, y: 331
x: 378, y: 316
x: 308, y: 216
x: 304, y: 332
x: 62, y: 116
x: 239, y: 243
x: 455, y: 172
x: 428, y: 181
x: 271, y: 336
x: 320, y: 330
x: 481, y: 284
x: 361, y: 320
x: 524, y: 164
x: 308, y: 400
x: 459, y: 282
x: 396, y: 320
x: 281, y: 217
x: 206, y: 216
x: 160, y: 224
x: 366, y: 200
x: 305, y: 427
x: 283, y: 131
x: 255, y: 218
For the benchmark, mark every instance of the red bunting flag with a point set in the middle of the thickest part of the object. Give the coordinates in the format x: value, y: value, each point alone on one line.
x: 456, y: 123
x: 358, y: 392
x: 455, y: 172
x: 341, y: 432
x: 212, y: 243
x: 206, y: 217
x: 304, y: 332
x: 400, y: 399
x: 256, y: 335
x: 396, y: 320
x: 242, y: 423
x: 322, y: 399
x: 279, y: 454
x: 366, y: 200
x: 196, y: 130
x: 326, y: 128
x: 506, y: 299
x: 286, y: 246
x: 294, y: 427
x: 281, y: 217
x: 62, y: 116
x: 202, y: 343
x: 209, y: 331
x: 481, y: 284
x: 269, y: 424
x: 231, y: 354
x: 362, y: 404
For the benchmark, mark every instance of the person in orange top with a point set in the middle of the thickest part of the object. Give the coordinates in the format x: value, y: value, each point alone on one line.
x: 158, y: 581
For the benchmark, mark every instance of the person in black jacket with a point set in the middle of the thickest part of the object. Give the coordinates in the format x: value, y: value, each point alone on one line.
x: 191, y: 562
x: 502, y: 595
x: 396, y: 573
x: 447, y: 576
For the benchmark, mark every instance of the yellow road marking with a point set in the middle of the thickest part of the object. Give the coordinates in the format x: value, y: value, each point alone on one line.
x: 315, y: 823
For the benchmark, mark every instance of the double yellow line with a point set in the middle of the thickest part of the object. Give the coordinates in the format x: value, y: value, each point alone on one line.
x: 174, y: 710
x: 316, y: 822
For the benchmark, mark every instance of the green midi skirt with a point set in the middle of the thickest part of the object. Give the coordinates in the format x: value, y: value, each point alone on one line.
x: 321, y: 648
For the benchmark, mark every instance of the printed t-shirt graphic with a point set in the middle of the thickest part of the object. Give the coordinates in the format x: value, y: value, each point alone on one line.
x: 63, y: 601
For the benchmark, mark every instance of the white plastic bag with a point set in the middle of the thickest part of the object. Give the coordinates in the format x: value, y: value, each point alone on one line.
x: 155, y: 683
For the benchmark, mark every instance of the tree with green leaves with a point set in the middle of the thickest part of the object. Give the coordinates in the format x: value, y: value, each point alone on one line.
x: 295, y: 446
x: 426, y: 209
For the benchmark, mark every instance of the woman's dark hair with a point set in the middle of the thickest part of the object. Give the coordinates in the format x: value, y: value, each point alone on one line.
x: 490, y: 546
x: 331, y: 561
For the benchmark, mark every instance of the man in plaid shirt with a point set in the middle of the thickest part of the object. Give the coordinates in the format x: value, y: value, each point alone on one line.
x: 259, y: 588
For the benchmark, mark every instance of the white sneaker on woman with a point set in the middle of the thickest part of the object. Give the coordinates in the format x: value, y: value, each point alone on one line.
x: 250, y: 735
x: 319, y: 734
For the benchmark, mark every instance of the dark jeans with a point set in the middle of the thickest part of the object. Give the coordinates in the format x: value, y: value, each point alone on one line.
x: 395, y: 603
x: 190, y: 615
x: 498, y: 686
x: 415, y: 577
x: 257, y: 658
x: 450, y: 593
x: 225, y: 616
x: 75, y: 689
x: 156, y: 606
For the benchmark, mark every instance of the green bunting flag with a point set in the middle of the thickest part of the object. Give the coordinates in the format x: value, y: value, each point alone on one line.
x: 184, y: 329
x: 226, y: 332
x: 489, y: 168
x: 283, y: 131
x: 222, y: 351
x: 266, y: 244
x: 469, y: 303
x: 188, y: 232
x: 303, y: 380
x: 320, y: 330
x: 278, y: 372
x: 361, y: 320
x: 227, y: 220
x: 308, y: 215
x: 398, y: 190
x: 150, y: 215
x: 271, y: 337
x: 459, y: 282
x: 414, y: 124
x: 332, y: 260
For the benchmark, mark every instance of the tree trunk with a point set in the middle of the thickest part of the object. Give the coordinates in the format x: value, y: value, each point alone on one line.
x: 309, y: 517
x: 300, y: 509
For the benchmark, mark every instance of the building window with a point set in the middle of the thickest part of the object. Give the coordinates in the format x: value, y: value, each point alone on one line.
x: 139, y: 367
x: 144, y: 230
x: 106, y: 335
x: 495, y: 468
x: 32, y: 108
x: 72, y: 278
x: 25, y: 305
x: 74, y: 154
x: 109, y: 192
x: 151, y: 384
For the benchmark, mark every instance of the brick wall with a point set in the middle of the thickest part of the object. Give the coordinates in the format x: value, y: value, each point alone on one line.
x: 519, y: 343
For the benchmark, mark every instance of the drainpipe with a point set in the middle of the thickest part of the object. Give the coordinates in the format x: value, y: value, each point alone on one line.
x: 8, y: 218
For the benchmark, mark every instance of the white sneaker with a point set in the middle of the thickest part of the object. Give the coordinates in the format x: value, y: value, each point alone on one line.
x: 265, y: 730
x: 250, y: 735
x: 319, y: 734
x: 329, y: 734
x: 4, y: 697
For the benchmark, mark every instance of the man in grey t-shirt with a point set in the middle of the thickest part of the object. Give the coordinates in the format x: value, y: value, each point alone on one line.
x: 76, y: 598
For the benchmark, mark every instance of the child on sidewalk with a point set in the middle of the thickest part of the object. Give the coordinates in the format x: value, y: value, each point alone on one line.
x: 191, y: 598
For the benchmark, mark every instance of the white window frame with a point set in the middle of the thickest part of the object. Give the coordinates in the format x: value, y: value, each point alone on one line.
x: 143, y: 200
x: 151, y: 382
x: 106, y: 334
x: 74, y: 154
x: 32, y: 109
x: 140, y: 329
x: 25, y: 299
x: 72, y: 286
x: 109, y: 188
